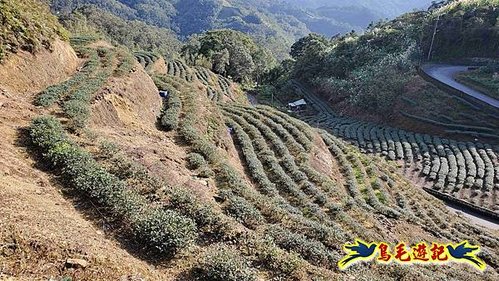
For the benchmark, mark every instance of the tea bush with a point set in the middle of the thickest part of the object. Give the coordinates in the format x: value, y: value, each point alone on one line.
x: 222, y: 263
x: 164, y: 231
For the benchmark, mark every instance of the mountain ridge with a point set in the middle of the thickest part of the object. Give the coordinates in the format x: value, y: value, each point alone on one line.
x: 275, y: 25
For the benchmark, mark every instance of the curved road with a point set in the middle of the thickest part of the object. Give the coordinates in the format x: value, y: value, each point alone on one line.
x: 474, y: 217
x: 446, y: 74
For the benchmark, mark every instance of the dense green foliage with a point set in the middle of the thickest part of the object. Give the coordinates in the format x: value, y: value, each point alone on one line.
x: 387, y: 8
x: 27, y: 25
x: 171, y: 112
x: 468, y: 28
x: 370, y: 71
x: 134, y: 34
x: 165, y: 231
x: 195, y: 160
x: 172, y: 105
x: 230, y: 53
x: 272, y: 24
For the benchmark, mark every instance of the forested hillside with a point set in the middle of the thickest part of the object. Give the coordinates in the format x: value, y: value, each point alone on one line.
x: 136, y: 35
x: 273, y: 24
x: 385, y: 8
x: 464, y: 29
x: 372, y: 71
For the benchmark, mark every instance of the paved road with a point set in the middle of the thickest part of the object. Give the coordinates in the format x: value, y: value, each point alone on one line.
x: 474, y: 217
x: 446, y: 74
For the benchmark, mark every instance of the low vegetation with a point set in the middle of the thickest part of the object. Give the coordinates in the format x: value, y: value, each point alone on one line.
x: 165, y: 231
x: 262, y: 195
x: 455, y: 117
x: 463, y: 170
x: 369, y: 72
x: 77, y: 105
x: 57, y: 92
x: 485, y: 79
x: 221, y: 263
x: 120, y: 30
x: 27, y: 25
x: 171, y: 112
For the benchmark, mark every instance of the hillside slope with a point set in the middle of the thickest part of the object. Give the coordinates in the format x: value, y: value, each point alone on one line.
x: 132, y: 166
x: 28, y: 26
x: 42, y: 228
x: 387, y: 9
x: 374, y: 76
x: 270, y: 184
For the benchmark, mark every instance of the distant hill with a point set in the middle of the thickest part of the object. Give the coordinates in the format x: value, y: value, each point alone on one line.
x: 274, y: 24
x: 384, y: 8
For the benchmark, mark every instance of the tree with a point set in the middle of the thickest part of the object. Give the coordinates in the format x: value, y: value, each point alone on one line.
x: 241, y: 65
x: 230, y: 53
x: 309, y: 45
x: 221, y: 60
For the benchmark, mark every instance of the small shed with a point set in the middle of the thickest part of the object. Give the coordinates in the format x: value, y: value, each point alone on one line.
x: 163, y: 94
x: 297, y: 105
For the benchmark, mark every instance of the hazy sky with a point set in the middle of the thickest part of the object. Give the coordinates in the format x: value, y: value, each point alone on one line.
x: 387, y: 8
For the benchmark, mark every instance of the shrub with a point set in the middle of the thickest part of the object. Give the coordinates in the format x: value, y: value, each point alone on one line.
x: 108, y: 149
x: 277, y: 259
x: 202, y: 213
x: 222, y: 263
x: 126, y: 63
x: 171, y: 112
x: 206, y: 172
x: 195, y: 160
x: 77, y: 111
x: 164, y: 230
x: 125, y: 168
x: 77, y: 106
x: 313, y: 251
x: 240, y: 209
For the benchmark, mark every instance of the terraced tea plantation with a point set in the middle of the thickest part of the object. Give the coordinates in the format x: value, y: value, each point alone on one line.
x: 456, y: 116
x: 179, y: 69
x: 74, y: 95
x: 146, y: 59
x: 285, y: 196
x: 463, y: 171
x: 218, y: 88
x: 277, y: 149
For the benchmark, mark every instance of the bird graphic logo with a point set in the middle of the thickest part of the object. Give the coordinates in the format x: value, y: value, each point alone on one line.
x: 465, y: 252
x: 420, y: 253
x: 358, y: 251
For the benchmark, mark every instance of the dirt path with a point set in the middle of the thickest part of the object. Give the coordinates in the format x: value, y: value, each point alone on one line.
x: 446, y: 74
